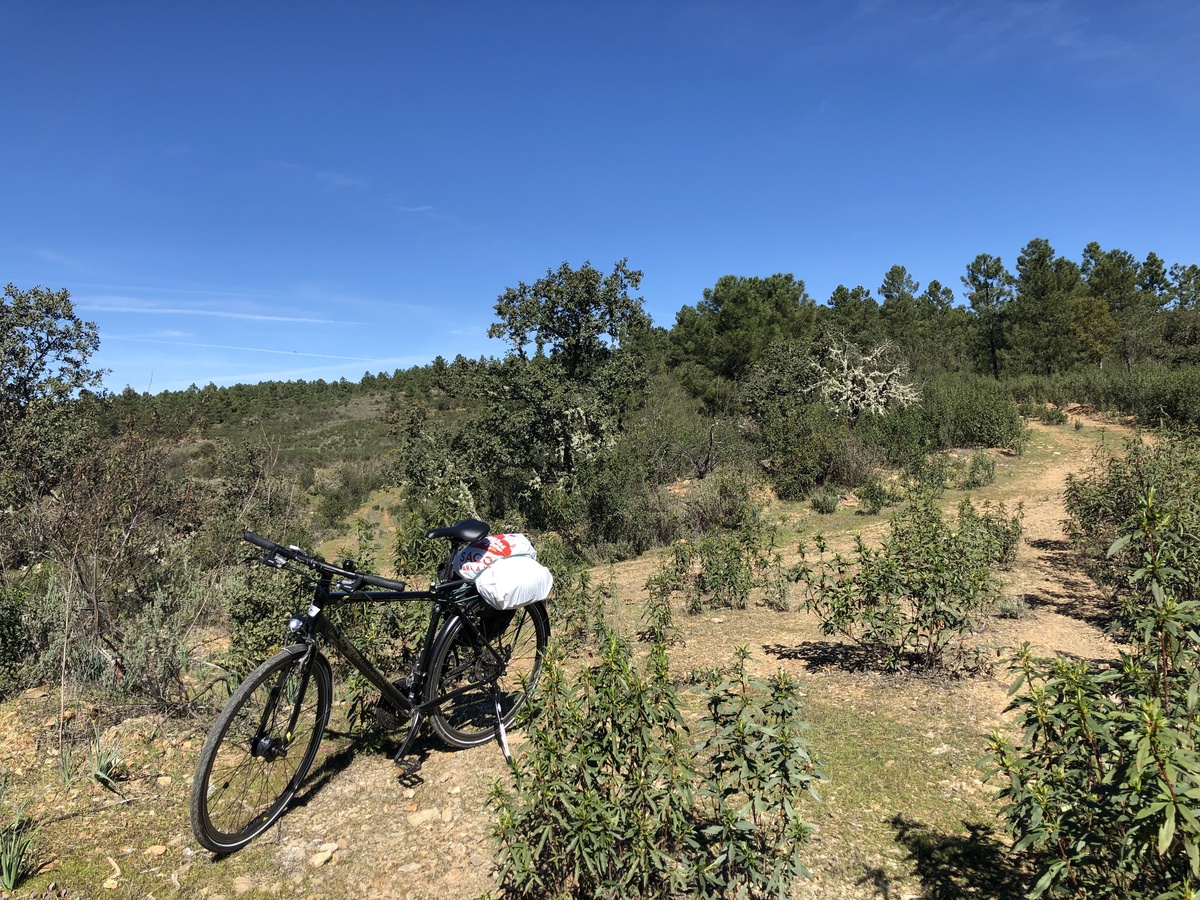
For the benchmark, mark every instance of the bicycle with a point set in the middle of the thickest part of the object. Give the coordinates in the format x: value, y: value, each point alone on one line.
x: 476, y: 668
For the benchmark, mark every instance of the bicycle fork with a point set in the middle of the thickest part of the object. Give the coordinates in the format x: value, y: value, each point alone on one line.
x: 265, y: 746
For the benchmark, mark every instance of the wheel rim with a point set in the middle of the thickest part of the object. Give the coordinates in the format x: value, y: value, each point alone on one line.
x: 253, y: 776
x: 471, y: 716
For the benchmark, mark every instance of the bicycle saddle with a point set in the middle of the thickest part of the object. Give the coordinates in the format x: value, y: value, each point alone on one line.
x: 463, y: 532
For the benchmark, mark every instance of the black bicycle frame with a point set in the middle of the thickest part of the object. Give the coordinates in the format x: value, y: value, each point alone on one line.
x: 315, y: 622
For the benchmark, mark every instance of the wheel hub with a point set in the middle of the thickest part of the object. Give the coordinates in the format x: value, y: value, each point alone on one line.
x: 269, y: 749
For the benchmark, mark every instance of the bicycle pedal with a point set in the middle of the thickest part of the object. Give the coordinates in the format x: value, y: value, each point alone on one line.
x: 408, y: 766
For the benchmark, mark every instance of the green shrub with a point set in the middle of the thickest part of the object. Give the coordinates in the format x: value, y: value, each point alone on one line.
x: 901, y: 436
x: 825, y: 501
x: 874, y: 495
x: 803, y: 446
x: 723, y: 570
x: 614, y: 798
x: 1046, y: 414
x: 15, y: 645
x: 916, y: 599
x: 930, y: 474
x: 992, y: 529
x: 721, y: 501
x: 1052, y: 415
x: 257, y: 602
x: 970, y: 411
x: 1103, y: 790
x: 1156, y: 394
x: 981, y: 471
x: 155, y: 659
x: 1103, y: 502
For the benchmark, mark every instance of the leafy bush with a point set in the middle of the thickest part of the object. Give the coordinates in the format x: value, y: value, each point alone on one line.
x: 992, y: 528
x: 1047, y: 415
x: 445, y: 503
x: 1155, y: 394
x: 803, y: 445
x: 900, y: 437
x: 981, y: 471
x: 610, y: 800
x: 873, y: 496
x: 825, y: 501
x: 257, y: 603
x: 915, y: 599
x: 967, y: 411
x: 1103, y: 791
x: 15, y: 644
x: 930, y: 474
x: 578, y: 606
x: 721, y: 501
x: 722, y: 570
x: 1104, y: 501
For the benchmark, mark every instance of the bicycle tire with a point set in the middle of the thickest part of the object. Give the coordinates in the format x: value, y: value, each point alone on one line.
x: 238, y: 792
x: 469, y: 719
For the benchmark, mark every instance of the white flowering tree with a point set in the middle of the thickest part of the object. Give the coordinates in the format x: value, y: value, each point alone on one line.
x: 854, y: 381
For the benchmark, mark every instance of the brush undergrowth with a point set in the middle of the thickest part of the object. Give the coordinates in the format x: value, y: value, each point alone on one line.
x: 617, y: 796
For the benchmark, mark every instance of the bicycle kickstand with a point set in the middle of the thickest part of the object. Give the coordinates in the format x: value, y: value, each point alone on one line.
x: 501, y: 732
x: 409, y: 767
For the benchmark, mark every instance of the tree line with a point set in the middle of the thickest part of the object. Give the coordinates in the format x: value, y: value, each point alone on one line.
x: 581, y: 427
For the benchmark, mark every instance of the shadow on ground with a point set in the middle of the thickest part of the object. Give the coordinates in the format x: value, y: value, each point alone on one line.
x: 976, y: 864
x: 818, y: 655
x: 1075, y: 594
x: 340, y: 760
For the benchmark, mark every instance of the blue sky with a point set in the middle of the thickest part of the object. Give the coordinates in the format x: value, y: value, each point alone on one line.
x: 236, y: 192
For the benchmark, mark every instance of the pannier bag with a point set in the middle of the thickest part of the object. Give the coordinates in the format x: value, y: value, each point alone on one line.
x: 505, y: 570
x: 474, y: 558
x: 514, y: 581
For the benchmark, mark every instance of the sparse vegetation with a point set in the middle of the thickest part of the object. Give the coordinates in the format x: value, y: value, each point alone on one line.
x: 1101, y: 790
x: 914, y: 600
x: 714, y: 444
x: 16, y: 842
x: 613, y: 800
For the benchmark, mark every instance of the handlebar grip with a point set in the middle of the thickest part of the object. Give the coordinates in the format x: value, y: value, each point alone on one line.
x: 258, y: 541
x: 380, y: 581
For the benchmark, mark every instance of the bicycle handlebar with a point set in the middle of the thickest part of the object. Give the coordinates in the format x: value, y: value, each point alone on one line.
x: 316, y: 563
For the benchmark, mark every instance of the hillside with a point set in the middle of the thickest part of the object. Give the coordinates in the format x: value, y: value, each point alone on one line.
x: 905, y: 812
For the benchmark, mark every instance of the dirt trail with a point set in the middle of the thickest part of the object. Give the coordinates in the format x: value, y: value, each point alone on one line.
x: 358, y: 832
x: 1067, y: 604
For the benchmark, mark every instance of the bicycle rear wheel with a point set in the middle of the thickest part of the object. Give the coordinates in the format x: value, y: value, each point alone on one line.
x: 260, y: 748
x: 462, y: 662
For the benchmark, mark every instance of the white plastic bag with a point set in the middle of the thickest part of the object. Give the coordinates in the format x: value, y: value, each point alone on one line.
x: 475, y: 558
x: 514, y: 581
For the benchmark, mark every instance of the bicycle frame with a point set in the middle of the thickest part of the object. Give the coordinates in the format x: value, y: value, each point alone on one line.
x: 448, y: 599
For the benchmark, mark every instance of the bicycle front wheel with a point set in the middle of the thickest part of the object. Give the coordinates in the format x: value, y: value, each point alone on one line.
x: 511, y: 656
x: 260, y: 748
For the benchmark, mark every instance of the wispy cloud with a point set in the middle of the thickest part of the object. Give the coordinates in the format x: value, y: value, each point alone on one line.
x: 336, y: 179
x: 1150, y: 45
x: 221, y: 294
x: 122, y: 305
x: 431, y: 214
x: 145, y: 340
x: 59, y: 259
